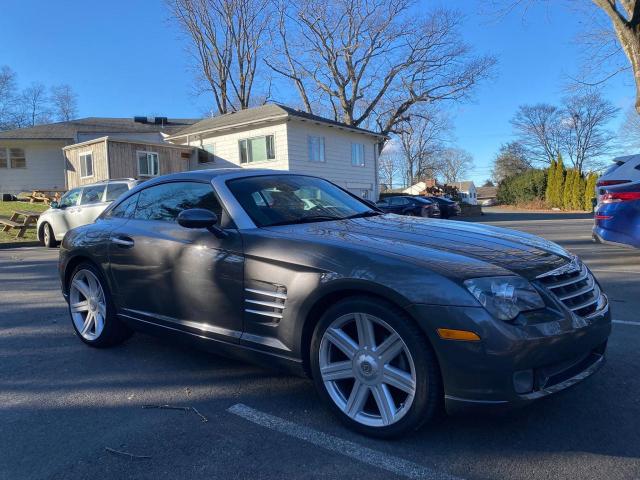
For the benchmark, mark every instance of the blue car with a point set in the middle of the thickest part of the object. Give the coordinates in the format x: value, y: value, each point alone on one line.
x: 617, y: 218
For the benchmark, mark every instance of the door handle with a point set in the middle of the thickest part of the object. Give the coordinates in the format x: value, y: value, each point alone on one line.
x: 124, y: 242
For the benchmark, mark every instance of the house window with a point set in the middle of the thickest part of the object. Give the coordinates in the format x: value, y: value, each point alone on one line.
x: 259, y: 149
x: 357, y: 154
x: 86, y: 165
x: 18, y: 158
x: 148, y: 164
x: 316, y: 149
x: 3, y: 158
x: 206, y: 154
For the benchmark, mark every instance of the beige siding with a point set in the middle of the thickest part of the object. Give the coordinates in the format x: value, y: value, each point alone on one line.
x: 100, y: 169
x: 227, y: 150
x: 337, y: 153
x: 123, y: 160
x: 44, y: 167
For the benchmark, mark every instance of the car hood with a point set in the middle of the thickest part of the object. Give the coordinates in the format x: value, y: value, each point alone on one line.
x: 454, y: 248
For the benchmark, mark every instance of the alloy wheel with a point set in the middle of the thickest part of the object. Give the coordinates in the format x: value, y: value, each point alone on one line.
x: 87, y: 304
x: 367, y: 369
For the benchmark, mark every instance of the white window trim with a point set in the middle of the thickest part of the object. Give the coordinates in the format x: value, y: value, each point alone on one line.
x: 364, y: 161
x: 324, y: 147
x: 146, y: 175
x: 84, y: 154
x: 269, y: 160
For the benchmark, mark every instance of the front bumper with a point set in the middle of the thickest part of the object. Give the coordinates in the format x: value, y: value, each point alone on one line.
x: 555, y: 349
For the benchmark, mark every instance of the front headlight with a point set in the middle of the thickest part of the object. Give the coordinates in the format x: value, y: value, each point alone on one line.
x: 505, y: 297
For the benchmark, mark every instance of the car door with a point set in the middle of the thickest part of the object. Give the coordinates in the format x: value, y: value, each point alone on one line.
x: 62, y: 216
x: 396, y: 205
x: 91, y: 205
x: 186, y: 279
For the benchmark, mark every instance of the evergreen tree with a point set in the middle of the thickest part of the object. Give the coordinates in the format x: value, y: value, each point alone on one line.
x: 551, y: 177
x: 558, y: 185
x: 568, y: 190
x: 590, y: 191
x: 577, y: 193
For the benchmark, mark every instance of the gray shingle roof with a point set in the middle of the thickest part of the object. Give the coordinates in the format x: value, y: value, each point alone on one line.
x: 257, y: 114
x: 70, y: 129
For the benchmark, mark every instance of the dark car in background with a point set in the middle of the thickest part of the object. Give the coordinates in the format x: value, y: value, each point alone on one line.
x: 448, y: 208
x: 390, y: 316
x: 617, y: 216
x: 409, y: 205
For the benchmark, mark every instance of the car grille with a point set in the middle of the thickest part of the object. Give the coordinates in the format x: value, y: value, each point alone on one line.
x: 575, y: 287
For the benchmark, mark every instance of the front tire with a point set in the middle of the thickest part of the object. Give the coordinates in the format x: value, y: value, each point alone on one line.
x: 92, y: 311
x: 374, y: 368
x: 48, y: 237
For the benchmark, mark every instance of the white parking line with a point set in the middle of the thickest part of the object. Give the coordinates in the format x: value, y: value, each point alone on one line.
x: 357, y: 452
x: 627, y: 322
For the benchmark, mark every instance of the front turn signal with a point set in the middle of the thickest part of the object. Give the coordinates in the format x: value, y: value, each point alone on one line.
x: 464, y: 335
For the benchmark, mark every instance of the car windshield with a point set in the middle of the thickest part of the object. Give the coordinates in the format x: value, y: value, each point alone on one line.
x: 288, y: 199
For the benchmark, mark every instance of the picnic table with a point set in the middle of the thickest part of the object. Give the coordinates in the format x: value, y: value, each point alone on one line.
x: 30, y: 218
x: 46, y: 196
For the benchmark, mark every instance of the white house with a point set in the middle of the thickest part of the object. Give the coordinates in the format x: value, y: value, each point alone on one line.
x: 282, y: 138
x: 468, y: 192
x: 32, y: 158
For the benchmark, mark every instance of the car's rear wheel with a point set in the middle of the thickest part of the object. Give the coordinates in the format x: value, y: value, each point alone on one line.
x: 375, y: 368
x: 92, y: 311
x: 48, y: 237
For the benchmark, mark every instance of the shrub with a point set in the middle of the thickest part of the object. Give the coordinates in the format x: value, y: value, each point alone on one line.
x: 590, y: 191
x: 524, y: 187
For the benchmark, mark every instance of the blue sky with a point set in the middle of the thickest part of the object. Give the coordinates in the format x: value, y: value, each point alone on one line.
x: 125, y: 58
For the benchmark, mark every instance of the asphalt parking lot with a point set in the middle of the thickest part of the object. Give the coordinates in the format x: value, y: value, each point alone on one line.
x: 62, y: 404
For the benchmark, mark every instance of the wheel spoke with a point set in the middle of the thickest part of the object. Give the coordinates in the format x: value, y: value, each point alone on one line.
x: 341, y: 340
x: 82, y: 287
x: 93, y: 286
x: 90, y: 320
x: 99, y: 321
x: 384, y: 400
x: 82, y: 306
x: 398, y: 379
x: 337, y: 371
x: 357, y: 398
x: 390, y: 348
x: 366, y: 337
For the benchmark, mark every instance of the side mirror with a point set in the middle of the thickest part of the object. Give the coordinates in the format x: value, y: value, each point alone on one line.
x: 54, y: 205
x: 201, y: 218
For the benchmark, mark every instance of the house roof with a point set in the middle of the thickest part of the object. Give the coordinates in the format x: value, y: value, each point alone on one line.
x: 69, y: 130
x: 463, y: 186
x: 126, y: 140
x: 267, y: 112
x: 487, y: 192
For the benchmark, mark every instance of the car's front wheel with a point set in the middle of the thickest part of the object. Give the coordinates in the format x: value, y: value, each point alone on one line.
x: 375, y: 368
x: 48, y: 237
x: 91, y: 308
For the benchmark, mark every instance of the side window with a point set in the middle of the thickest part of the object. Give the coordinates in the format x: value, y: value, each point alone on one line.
x: 70, y: 198
x: 92, y: 195
x: 165, y: 202
x: 86, y: 165
x: 125, y: 209
x: 114, y: 190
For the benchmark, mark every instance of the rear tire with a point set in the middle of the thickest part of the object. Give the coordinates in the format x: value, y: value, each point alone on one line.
x: 374, y: 368
x: 92, y: 310
x: 48, y: 237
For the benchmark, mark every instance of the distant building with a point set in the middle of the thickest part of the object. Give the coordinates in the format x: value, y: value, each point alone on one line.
x: 467, y: 192
x: 487, y: 195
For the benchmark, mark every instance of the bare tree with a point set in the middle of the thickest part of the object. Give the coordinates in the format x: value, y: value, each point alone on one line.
x: 422, y: 139
x: 511, y: 160
x: 64, y: 102
x: 227, y: 37
x: 455, y: 164
x: 586, y: 137
x: 629, y: 133
x: 7, y: 98
x: 34, y: 105
x: 391, y: 165
x: 538, y: 128
x: 374, y: 61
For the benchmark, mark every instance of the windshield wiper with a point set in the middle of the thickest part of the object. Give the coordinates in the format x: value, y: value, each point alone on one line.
x: 370, y: 213
x: 309, y: 219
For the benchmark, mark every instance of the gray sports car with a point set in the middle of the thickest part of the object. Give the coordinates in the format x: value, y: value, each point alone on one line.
x: 392, y: 317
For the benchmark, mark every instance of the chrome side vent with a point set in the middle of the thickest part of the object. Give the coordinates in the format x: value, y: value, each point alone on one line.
x: 574, y: 286
x: 266, y: 303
